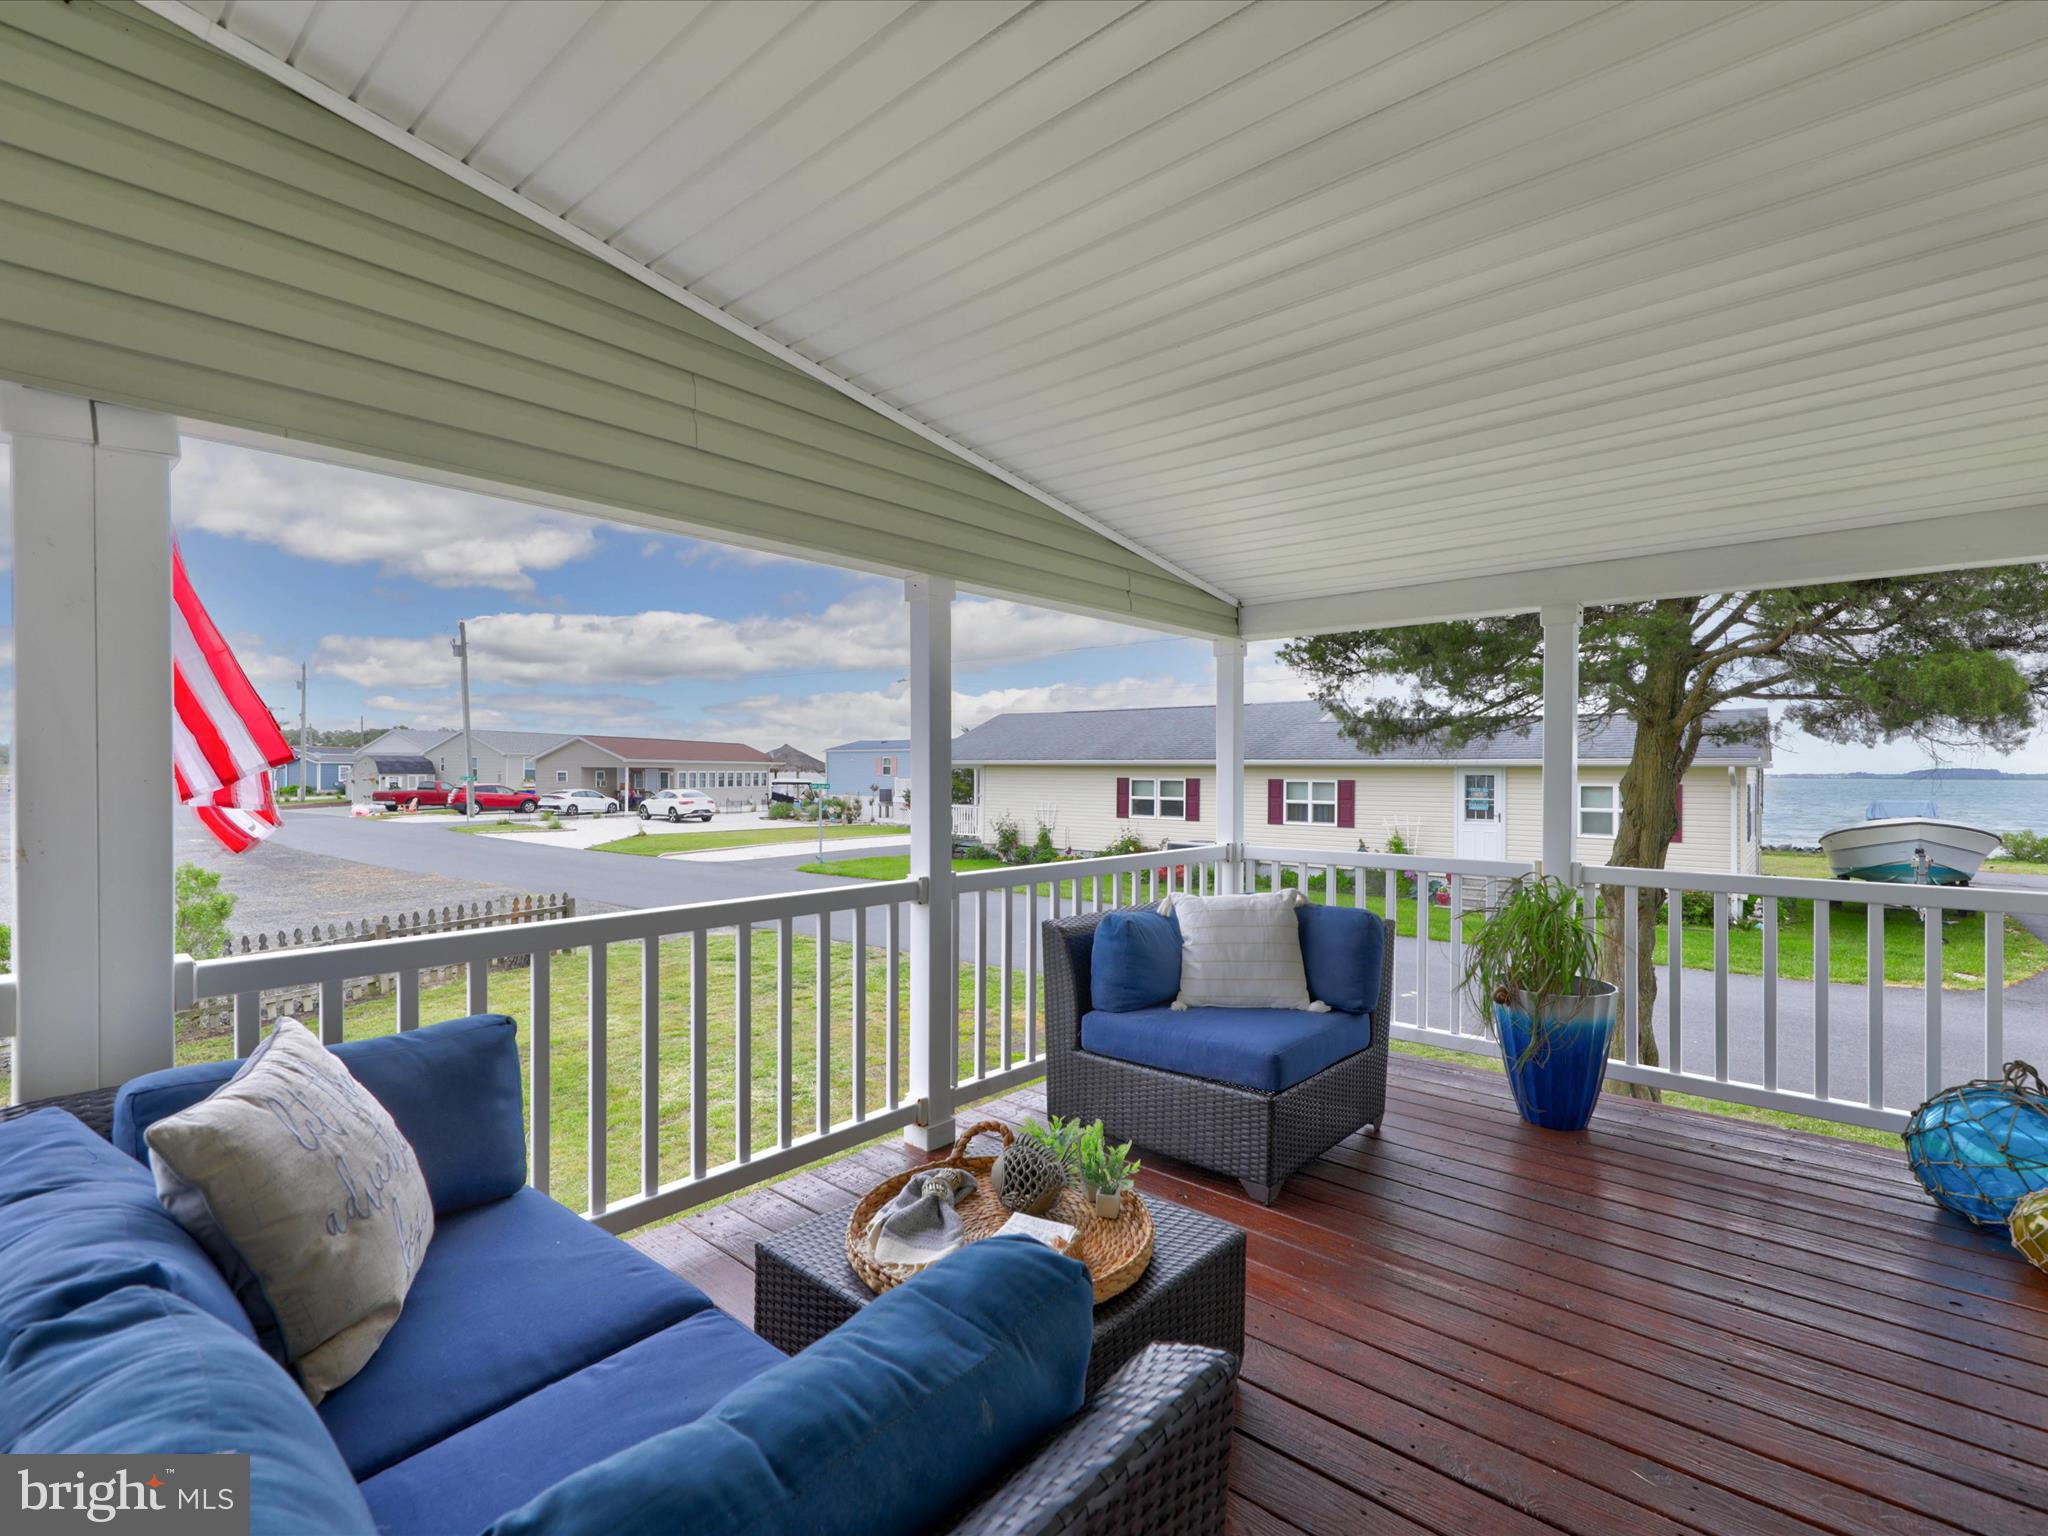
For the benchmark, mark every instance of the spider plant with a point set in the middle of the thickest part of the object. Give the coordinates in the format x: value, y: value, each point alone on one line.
x: 1532, y: 953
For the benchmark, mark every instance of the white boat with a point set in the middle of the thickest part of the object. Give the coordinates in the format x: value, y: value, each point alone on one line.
x: 1909, y: 844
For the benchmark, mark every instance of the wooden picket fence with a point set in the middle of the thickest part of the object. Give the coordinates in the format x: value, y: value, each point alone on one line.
x: 215, y: 1016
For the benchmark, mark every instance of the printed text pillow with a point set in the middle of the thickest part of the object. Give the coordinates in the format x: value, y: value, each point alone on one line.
x: 299, y: 1186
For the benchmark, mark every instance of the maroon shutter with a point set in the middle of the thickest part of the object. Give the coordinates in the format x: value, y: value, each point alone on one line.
x: 1347, y: 803
x: 1678, y: 810
x: 1194, y: 799
x: 1276, y: 801
x: 1123, y: 797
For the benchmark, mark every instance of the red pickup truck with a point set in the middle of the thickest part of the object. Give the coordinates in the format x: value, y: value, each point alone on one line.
x: 435, y: 793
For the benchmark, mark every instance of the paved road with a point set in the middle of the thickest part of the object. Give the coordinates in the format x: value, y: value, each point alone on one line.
x: 609, y: 880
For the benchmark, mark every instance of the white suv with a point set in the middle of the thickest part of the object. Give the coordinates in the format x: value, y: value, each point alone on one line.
x: 678, y: 805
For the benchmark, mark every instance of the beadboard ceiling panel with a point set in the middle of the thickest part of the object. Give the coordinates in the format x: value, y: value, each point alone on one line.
x: 1319, y: 297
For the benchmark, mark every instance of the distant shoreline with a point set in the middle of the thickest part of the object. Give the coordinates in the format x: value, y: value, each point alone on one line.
x: 1928, y: 775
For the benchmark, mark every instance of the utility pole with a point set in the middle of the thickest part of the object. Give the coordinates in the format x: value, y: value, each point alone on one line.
x: 305, y: 788
x: 468, y: 755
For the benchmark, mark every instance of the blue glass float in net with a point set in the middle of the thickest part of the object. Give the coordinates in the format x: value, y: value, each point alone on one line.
x: 1979, y: 1147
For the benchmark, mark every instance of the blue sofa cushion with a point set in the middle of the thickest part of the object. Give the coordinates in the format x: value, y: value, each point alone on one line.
x: 1263, y: 1048
x: 890, y: 1422
x: 1341, y: 951
x: 479, y: 1473
x: 452, y: 1088
x: 78, y: 1221
x: 141, y: 1370
x: 512, y: 1296
x: 1135, y: 961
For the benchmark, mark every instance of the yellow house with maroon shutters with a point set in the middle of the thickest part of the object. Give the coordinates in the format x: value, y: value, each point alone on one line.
x: 1091, y: 776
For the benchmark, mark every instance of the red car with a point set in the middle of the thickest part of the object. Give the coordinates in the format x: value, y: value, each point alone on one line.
x: 435, y: 793
x: 496, y: 797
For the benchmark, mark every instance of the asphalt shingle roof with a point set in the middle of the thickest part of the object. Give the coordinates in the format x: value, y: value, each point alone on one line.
x: 902, y: 745
x: 1289, y: 732
x: 660, y: 749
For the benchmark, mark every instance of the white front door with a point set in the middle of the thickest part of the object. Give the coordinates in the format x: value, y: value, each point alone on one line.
x: 1482, y: 813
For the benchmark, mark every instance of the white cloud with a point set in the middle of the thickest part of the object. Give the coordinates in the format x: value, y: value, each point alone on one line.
x: 342, y: 516
x: 828, y: 718
x: 866, y: 631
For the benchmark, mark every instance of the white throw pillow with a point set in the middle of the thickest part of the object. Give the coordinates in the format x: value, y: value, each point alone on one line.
x: 301, y: 1189
x: 1241, y: 952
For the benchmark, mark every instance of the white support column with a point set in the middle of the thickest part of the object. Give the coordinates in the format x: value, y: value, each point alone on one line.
x: 1230, y: 755
x: 92, y: 765
x: 1560, y: 738
x: 934, y: 988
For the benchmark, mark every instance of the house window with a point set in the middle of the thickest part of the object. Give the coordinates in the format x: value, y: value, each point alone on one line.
x: 529, y: 770
x: 1312, y: 801
x: 1166, y: 798
x: 561, y: 775
x: 886, y: 767
x: 600, y: 776
x: 1597, y: 805
x: 665, y: 777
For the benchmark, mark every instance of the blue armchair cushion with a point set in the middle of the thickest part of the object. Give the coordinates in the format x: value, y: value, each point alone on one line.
x: 1341, y: 949
x: 466, y: 1481
x: 141, y: 1370
x: 78, y: 1221
x: 452, y: 1089
x: 1135, y: 961
x: 1266, y: 1049
x: 512, y: 1296
x: 889, y: 1423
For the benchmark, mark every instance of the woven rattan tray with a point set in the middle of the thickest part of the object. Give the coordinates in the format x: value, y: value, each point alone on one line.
x: 1116, y: 1252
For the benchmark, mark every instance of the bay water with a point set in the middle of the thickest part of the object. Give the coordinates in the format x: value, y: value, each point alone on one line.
x: 1797, y: 811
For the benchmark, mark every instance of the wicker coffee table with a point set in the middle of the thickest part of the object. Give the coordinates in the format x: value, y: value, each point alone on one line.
x: 1191, y: 1293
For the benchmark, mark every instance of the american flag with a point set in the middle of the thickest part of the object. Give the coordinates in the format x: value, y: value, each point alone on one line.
x: 223, y: 740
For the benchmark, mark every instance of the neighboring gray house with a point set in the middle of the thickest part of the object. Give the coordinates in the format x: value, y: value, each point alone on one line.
x: 1091, y: 775
x: 398, y: 759
x: 500, y: 757
x: 731, y: 773
x: 325, y: 770
x: 857, y: 767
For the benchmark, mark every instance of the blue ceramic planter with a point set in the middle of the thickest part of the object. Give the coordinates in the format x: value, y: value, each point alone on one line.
x: 1557, y: 1084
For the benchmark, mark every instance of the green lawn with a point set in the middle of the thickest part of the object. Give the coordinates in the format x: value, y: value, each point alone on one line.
x: 569, y: 1041
x: 896, y: 866
x: 653, y: 843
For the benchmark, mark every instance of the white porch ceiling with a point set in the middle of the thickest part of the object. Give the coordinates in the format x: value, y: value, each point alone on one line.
x: 1315, y: 299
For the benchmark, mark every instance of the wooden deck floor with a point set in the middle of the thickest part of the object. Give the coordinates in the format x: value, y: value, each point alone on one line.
x: 1672, y: 1323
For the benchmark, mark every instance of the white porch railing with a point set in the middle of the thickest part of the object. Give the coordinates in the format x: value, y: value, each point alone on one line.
x: 998, y: 941
x: 1712, y: 1042
x: 849, y: 1102
x: 809, y: 1050
x: 1816, y: 1080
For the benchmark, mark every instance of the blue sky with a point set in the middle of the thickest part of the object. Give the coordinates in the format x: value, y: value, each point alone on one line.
x: 583, y: 625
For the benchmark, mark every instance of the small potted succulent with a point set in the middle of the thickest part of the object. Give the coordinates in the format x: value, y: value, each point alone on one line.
x: 1106, y: 1171
x: 1531, y: 971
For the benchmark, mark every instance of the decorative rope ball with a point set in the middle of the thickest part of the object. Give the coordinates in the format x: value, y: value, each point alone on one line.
x: 1979, y: 1147
x: 1027, y: 1177
x: 2029, y: 1227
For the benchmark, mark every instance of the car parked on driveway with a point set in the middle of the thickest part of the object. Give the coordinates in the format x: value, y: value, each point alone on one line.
x: 497, y: 797
x: 433, y: 793
x: 678, y: 805
x: 576, y: 802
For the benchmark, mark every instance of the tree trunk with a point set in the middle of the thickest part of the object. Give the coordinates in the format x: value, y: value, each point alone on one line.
x: 1648, y: 818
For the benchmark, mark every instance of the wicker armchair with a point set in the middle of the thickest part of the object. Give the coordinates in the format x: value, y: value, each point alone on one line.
x: 1259, y: 1139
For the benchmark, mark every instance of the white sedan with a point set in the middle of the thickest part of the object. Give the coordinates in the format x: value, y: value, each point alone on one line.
x: 678, y: 805
x: 574, y: 802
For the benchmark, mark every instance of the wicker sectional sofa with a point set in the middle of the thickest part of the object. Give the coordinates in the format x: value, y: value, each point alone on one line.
x: 1256, y: 1137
